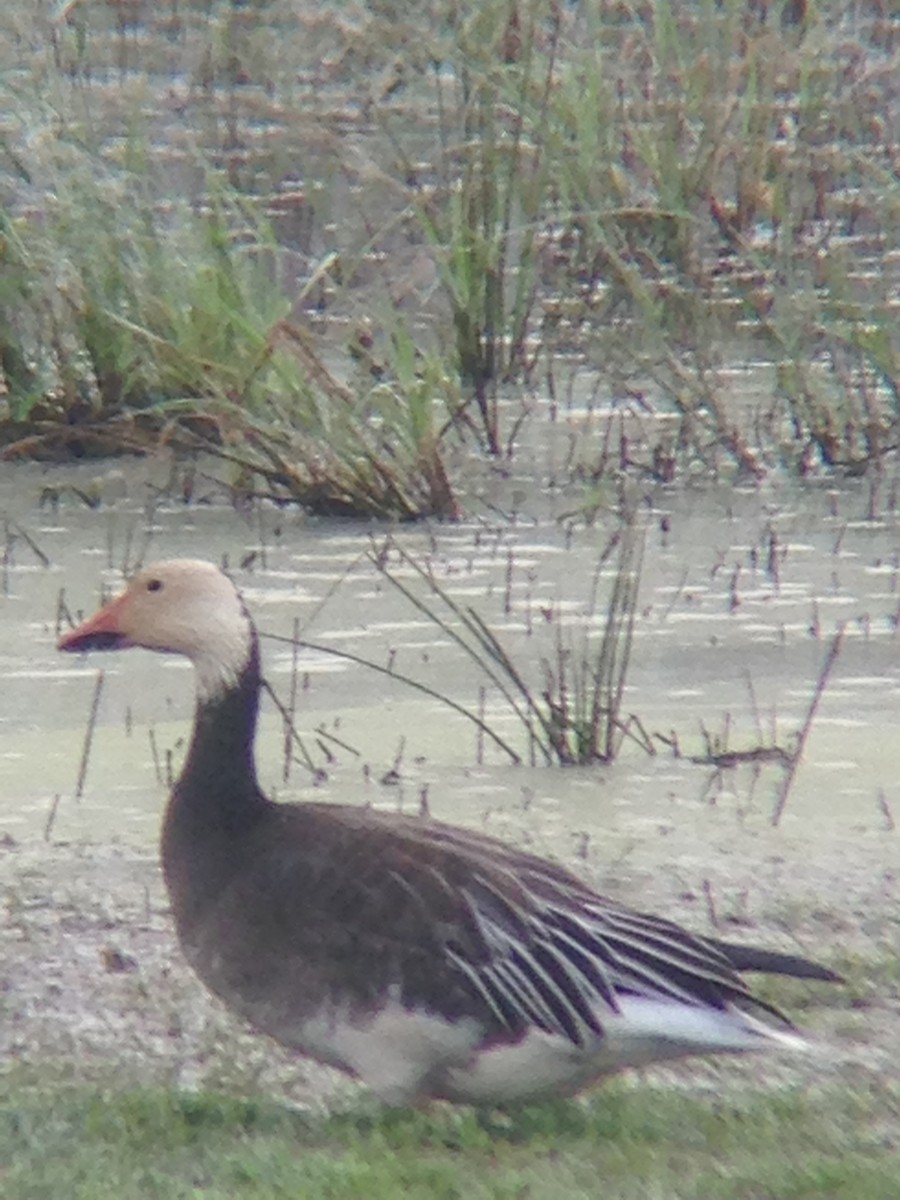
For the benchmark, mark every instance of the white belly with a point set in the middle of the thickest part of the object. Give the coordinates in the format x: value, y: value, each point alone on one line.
x: 404, y: 1054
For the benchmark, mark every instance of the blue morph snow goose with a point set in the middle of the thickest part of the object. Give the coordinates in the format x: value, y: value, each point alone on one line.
x: 425, y: 959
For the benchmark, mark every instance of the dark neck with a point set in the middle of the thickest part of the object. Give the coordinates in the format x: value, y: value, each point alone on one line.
x: 216, y: 801
x: 221, y: 746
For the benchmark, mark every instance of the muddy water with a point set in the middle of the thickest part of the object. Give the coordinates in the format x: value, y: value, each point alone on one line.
x: 739, y: 599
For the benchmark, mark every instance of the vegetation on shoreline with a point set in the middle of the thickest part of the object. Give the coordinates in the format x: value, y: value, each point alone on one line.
x: 649, y: 198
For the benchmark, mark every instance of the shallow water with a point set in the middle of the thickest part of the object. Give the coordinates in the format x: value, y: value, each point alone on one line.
x: 738, y: 602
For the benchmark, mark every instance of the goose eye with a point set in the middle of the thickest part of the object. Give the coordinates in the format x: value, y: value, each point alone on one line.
x: 154, y: 585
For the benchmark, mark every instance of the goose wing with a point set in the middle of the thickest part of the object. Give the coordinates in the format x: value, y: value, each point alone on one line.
x: 464, y: 925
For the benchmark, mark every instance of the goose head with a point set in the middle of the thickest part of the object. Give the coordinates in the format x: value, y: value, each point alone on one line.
x: 183, y: 606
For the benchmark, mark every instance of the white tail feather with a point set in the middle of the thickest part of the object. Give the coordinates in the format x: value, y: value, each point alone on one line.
x: 696, y: 1029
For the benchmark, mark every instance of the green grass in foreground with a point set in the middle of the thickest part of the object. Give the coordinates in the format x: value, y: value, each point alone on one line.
x: 95, y: 1143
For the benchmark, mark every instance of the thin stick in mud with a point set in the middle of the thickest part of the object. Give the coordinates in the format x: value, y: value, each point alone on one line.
x: 290, y: 716
x: 51, y: 817
x: 830, y: 659
x: 89, y: 734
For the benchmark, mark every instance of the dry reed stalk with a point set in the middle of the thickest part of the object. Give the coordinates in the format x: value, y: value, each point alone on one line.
x: 830, y: 659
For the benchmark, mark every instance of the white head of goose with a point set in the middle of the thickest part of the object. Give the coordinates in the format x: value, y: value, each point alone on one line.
x: 428, y: 961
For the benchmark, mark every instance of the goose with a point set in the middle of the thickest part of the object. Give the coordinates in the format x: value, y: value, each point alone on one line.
x: 426, y: 960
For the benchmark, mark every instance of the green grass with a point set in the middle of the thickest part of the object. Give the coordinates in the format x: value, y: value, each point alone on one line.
x: 100, y: 1143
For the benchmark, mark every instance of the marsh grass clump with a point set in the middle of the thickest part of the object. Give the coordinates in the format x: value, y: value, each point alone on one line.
x: 135, y: 307
x: 655, y: 194
x: 166, y: 324
x: 586, y: 672
x: 720, y: 226
x: 484, y: 208
x: 372, y: 451
x: 572, y: 712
